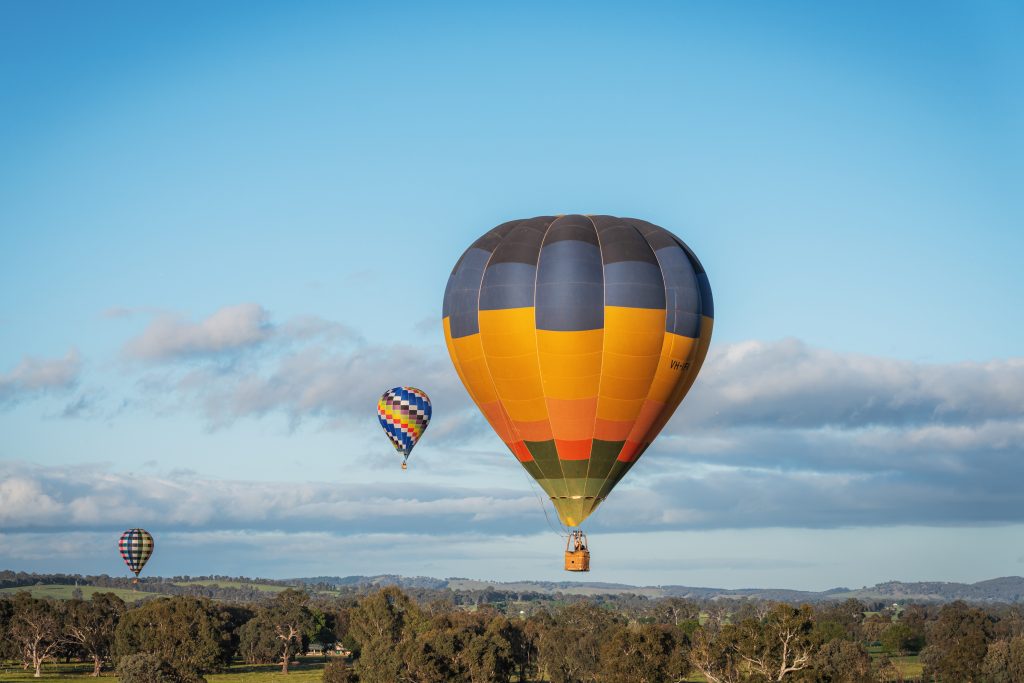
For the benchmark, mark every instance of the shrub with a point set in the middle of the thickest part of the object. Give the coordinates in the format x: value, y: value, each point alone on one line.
x: 339, y: 671
x: 149, y: 668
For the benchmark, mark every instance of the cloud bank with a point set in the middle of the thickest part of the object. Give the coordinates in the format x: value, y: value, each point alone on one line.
x: 773, y: 434
x: 787, y: 384
x: 90, y: 497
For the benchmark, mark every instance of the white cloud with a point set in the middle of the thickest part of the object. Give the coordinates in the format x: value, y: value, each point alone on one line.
x: 35, y: 376
x: 231, y: 328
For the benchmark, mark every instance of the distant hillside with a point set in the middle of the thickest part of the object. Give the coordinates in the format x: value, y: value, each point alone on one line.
x: 381, y: 580
x: 1009, y: 589
x: 1006, y: 589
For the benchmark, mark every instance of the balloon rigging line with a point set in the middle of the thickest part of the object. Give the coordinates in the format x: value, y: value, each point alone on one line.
x: 564, y: 533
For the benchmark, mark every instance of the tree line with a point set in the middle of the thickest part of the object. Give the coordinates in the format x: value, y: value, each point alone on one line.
x: 391, y: 636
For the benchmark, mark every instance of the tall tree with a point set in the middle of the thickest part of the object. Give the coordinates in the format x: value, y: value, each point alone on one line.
x: 383, y: 623
x: 91, y: 625
x: 8, y: 649
x: 37, y: 629
x: 957, y: 643
x: 492, y: 653
x: 779, y: 646
x: 842, y: 661
x: 292, y: 621
x: 1004, y: 661
x: 193, y: 635
x: 715, y: 654
x: 638, y: 654
x: 258, y: 643
x: 675, y: 611
x: 572, y: 652
x: 847, y: 615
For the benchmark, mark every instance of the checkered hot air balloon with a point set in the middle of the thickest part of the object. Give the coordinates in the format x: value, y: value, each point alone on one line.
x: 136, y: 546
x: 404, y: 413
x: 577, y: 337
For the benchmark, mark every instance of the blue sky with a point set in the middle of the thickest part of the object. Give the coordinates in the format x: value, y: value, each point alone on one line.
x: 225, y: 229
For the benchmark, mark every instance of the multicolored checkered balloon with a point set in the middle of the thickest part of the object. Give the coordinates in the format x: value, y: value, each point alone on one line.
x: 136, y: 546
x: 404, y: 413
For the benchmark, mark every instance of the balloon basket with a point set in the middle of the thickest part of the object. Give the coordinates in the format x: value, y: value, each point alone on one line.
x: 577, y: 555
x: 404, y: 466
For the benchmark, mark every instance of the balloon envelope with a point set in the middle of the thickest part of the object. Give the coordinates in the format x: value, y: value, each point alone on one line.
x: 404, y: 413
x: 577, y: 337
x: 136, y: 546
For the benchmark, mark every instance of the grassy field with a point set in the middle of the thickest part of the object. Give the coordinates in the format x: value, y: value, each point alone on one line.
x: 63, y: 591
x: 910, y: 667
x: 303, y: 673
x: 307, y: 672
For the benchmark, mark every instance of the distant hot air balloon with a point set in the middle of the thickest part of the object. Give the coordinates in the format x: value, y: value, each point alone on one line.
x: 577, y: 337
x: 404, y: 413
x: 136, y: 546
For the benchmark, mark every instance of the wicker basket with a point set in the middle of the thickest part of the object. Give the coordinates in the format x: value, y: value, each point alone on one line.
x: 577, y: 561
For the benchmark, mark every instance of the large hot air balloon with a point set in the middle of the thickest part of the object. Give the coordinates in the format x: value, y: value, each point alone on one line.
x: 136, y: 546
x: 577, y: 337
x: 404, y: 413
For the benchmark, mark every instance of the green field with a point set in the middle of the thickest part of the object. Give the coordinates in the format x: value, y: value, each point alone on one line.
x: 64, y: 591
x: 910, y: 667
x: 301, y: 673
x: 307, y: 672
x: 233, y: 584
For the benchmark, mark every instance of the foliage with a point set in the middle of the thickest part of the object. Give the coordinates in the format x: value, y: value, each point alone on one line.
x: 415, y: 636
x: 8, y: 650
x: 957, y: 643
x: 781, y: 644
x: 91, y: 625
x: 638, y: 655
x: 1004, y: 661
x: 257, y: 641
x: 192, y: 635
x: 280, y: 631
x: 715, y: 654
x: 339, y: 671
x: 842, y: 661
x: 900, y: 638
x: 384, y: 625
x: 36, y: 629
x: 149, y: 668
x: 571, y: 651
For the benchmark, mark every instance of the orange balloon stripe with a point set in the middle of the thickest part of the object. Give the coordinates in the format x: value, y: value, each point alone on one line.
x: 612, y: 430
x: 573, y: 450
x: 536, y: 430
x: 630, y: 451
x: 572, y: 420
x: 519, y: 450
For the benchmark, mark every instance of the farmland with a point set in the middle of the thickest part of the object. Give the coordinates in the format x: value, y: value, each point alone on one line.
x: 63, y: 591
